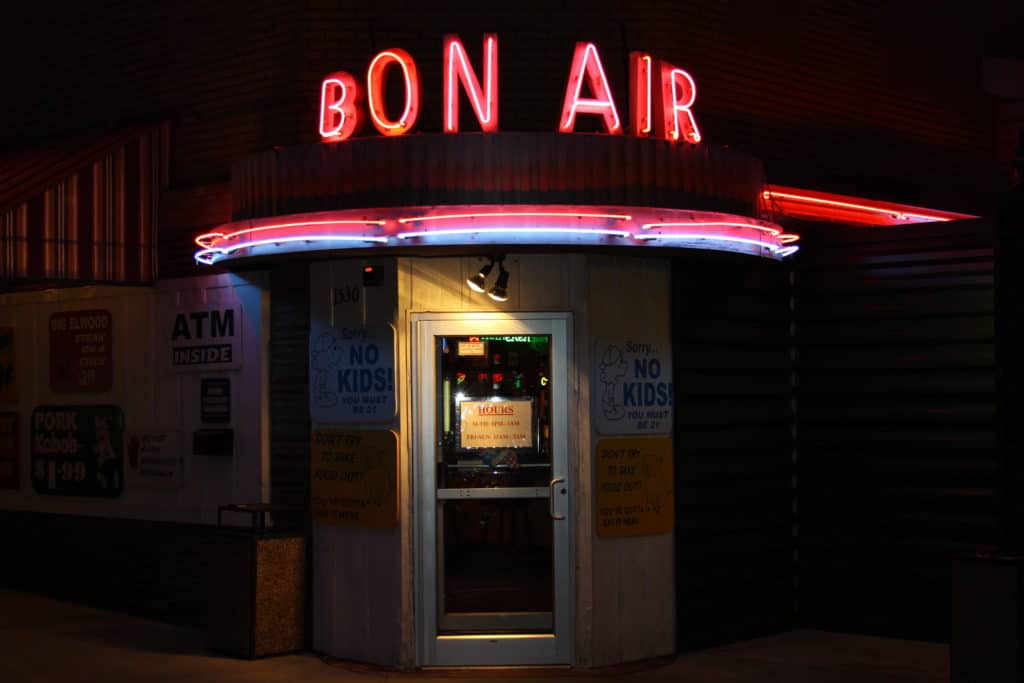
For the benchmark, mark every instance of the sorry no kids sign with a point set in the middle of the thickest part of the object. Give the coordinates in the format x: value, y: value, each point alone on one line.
x: 352, y: 374
x: 632, y: 386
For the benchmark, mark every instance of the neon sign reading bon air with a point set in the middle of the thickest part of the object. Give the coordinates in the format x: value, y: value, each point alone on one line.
x: 661, y: 109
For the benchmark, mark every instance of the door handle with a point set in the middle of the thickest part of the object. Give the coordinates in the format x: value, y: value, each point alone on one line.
x: 551, y: 497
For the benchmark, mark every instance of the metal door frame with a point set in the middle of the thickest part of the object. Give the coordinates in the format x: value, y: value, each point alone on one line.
x: 483, y: 649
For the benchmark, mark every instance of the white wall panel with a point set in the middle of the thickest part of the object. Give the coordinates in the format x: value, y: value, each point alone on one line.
x: 151, y: 396
x: 357, y: 575
x: 633, y: 578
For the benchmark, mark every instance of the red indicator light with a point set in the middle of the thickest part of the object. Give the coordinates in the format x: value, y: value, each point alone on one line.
x: 369, y: 277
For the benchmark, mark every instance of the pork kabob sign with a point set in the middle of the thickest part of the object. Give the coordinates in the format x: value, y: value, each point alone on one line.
x: 661, y: 95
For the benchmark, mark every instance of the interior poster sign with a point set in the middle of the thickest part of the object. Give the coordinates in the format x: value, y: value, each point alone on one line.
x: 496, y: 424
x: 78, y: 450
x: 355, y: 478
x: 154, y: 459
x: 632, y: 386
x: 10, y: 473
x: 352, y: 374
x: 81, y: 351
x: 207, y: 337
x: 634, y: 486
x: 8, y: 388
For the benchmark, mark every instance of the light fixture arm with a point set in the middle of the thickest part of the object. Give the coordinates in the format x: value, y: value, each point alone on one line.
x: 499, y: 292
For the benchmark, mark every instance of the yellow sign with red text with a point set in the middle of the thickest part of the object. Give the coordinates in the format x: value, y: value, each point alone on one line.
x: 355, y: 478
x: 496, y: 424
x: 635, y: 488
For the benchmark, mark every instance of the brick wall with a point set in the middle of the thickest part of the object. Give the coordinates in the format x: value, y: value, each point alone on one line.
x: 289, y: 385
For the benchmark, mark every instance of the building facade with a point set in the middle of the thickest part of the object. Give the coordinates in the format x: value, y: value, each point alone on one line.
x: 503, y: 307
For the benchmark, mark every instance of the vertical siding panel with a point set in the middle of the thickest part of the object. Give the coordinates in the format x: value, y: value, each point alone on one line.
x: 85, y: 220
x: 117, y: 205
x: 98, y: 218
x: 36, y: 242
x: 48, y: 230
x: 129, y: 201
x: 22, y: 261
x: 634, y: 582
x: 146, y: 161
x: 72, y: 245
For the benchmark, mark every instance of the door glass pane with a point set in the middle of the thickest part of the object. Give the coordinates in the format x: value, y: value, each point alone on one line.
x: 495, y: 571
x: 497, y: 559
x: 494, y: 411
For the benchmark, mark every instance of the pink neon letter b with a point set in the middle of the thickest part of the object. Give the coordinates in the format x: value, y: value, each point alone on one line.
x: 339, y: 117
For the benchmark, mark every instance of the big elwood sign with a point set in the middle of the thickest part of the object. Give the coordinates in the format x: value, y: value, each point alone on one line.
x: 661, y: 95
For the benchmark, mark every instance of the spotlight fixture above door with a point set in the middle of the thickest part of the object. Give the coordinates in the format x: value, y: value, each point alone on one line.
x: 478, y: 282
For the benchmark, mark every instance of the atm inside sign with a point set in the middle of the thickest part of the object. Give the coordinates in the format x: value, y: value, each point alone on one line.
x: 206, y: 338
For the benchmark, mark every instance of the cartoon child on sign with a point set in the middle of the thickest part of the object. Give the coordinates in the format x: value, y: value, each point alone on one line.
x: 613, y: 369
x: 326, y: 354
x: 108, y: 466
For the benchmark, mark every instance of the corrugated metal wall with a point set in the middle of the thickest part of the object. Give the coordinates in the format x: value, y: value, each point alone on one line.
x: 734, y: 529
x: 501, y: 168
x: 86, y: 216
x: 896, y: 433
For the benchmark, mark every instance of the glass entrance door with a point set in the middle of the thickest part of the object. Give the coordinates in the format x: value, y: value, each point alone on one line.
x: 493, y: 586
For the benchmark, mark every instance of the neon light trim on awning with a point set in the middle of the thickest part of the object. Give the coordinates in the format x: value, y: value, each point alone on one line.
x: 794, y: 202
x: 497, y: 225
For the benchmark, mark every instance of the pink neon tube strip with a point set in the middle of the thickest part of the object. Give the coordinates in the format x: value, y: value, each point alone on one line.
x: 514, y: 230
x: 676, y: 237
x: 516, y: 214
x: 712, y: 224
x: 897, y: 213
x: 304, y: 224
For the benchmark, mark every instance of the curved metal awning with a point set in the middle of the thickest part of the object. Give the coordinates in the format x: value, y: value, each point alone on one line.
x: 422, y: 229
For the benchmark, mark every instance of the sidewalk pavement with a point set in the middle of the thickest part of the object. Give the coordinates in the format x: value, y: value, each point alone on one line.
x: 47, y: 640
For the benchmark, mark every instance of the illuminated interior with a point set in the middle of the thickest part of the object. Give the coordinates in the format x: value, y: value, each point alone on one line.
x: 494, y: 426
